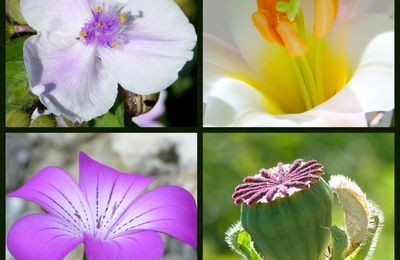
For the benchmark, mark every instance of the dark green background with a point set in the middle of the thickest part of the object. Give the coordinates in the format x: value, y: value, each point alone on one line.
x: 367, y: 158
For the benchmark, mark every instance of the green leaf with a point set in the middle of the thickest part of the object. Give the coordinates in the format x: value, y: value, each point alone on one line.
x: 18, y: 94
x: 241, y: 243
x: 44, y: 121
x: 367, y: 247
x: 339, y: 242
x: 14, y: 49
x: 17, y: 118
x: 13, y: 11
x: 114, y: 117
x: 182, y: 85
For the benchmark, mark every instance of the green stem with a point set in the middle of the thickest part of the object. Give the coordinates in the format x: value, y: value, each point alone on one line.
x: 318, y: 71
x: 308, y: 77
x: 303, y: 88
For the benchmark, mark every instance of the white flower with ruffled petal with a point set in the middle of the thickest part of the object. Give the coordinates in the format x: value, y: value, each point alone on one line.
x: 85, y: 48
x: 327, y: 66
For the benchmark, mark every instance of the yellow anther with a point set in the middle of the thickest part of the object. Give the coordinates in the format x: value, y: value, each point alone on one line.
x: 122, y: 17
x: 98, y: 9
x: 114, y: 44
x: 99, y: 24
x: 83, y: 34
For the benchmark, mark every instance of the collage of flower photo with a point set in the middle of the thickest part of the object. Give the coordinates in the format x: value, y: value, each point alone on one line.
x: 187, y: 129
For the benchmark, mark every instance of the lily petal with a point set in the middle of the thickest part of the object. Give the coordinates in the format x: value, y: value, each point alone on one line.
x: 54, y: 190
x: 64, y: 17
x: 221, y: 60
x: 147, y: 245
x: 42, y: 236
x: 68, y: 77
x: 373, y: 81
x: 232, y: 100
x: 156, y: 50
x: 240, y: 105
x: 167, y: 209
x: 108, y: 191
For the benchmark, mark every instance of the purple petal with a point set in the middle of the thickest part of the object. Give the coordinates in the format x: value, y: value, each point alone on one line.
x: 68, y: 76
x: 55, y: 191
x: 167, y: 209
x: 42, y: 236
x: 156, y: 50
x: 146, y: 245
x: 108, y: 191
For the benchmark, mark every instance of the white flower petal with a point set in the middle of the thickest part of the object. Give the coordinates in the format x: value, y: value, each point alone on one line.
x: 373, y: 81
x: 68, y: 77
x: 221, y: 60
x: 65, y: 17
x: 160, y: 43
x: 233, y: 103
x: 230, y: 101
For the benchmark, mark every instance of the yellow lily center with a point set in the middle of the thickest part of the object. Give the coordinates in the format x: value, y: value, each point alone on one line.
x: 306, y: 71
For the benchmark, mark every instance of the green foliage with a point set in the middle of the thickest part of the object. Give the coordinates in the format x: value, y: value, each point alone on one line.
x: 18, y: 94
x: 366, y: 158
x: 241, y: 243
x: 44, y: 121
x: 18, y: 118
x: 114, y: 117
x: 13, y: 11
x: 339, y: 242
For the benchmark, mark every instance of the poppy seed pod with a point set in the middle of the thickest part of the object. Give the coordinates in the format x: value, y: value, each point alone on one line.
x: 287, y: 210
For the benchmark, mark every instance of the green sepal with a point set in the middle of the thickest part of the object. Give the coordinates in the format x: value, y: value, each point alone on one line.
x: 44, y: 121
x: 241, y: 243
x: 339, y: 243
x: 18, y: 118
x: 367, y: 247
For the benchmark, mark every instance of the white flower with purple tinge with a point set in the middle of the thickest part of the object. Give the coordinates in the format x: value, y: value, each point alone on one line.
x: 106, y: 212
x: 85, y: 48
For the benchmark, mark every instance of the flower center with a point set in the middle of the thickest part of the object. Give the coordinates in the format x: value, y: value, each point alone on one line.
x: 105, y: 29
x: 305, y: 72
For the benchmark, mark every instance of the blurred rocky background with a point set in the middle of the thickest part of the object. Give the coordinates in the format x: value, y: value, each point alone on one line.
x: 170, y: 158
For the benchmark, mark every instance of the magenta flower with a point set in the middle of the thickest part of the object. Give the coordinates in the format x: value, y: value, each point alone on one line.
x: 104, y: 212
x: 85, y: 48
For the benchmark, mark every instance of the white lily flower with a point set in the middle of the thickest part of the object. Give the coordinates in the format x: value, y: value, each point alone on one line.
x: 326, y: 65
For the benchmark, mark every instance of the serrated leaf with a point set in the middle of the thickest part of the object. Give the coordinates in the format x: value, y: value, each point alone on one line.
x: 240, y: 242
x: 339, y: 242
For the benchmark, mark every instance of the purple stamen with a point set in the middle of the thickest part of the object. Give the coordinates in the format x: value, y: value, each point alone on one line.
x: 280, y: 181
x: 105, y: 29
